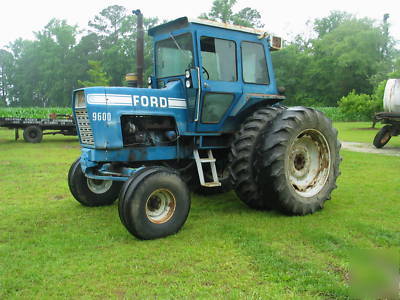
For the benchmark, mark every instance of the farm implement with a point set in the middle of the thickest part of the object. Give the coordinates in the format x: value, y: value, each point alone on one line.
x: 33, y: 128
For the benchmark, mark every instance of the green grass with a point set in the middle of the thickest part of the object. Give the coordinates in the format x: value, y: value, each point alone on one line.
x: 52, y: 247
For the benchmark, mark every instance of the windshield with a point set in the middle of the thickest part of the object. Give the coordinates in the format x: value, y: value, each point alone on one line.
x: 174, y: 55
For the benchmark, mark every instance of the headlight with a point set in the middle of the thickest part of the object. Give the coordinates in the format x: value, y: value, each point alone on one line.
x: 80, y: 100
x: 188, y: 83
x: 187, y: 74
x: 149, y: 81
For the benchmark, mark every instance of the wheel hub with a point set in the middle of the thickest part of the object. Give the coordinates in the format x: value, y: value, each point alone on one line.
x: 299, y: 161
x: 309, y: 163
x: 154, y: 203
x: 99, y: 186
x: 160, y: 206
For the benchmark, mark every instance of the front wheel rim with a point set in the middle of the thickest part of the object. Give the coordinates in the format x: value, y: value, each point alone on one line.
x: 309, y: 163
x: 99, y: 186
x: 160, y: 206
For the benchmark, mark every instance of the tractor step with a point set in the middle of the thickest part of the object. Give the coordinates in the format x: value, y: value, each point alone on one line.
x: 211, y: 160
x: 212, y: 184
x: 206, y: 160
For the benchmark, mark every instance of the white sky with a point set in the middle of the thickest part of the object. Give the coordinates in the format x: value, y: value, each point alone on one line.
x: 285, y: 18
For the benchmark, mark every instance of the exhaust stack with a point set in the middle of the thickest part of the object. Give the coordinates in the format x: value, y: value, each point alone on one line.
x: 139, y: 47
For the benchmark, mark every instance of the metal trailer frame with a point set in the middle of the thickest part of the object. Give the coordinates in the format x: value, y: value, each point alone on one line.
x: 61, y: 126
x: 391, y: 128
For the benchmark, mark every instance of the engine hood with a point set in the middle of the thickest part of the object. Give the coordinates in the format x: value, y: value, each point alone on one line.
x: 106, y: 105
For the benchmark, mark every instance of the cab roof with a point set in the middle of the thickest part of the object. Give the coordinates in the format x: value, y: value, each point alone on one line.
x: 185, y: 21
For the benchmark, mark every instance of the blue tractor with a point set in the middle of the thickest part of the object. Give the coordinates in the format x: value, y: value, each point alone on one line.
x: 209, y: 121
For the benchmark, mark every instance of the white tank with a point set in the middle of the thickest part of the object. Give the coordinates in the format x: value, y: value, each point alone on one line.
x: 391, y: 97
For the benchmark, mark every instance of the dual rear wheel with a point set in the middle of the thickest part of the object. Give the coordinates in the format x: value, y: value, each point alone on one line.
x: 286, y: 159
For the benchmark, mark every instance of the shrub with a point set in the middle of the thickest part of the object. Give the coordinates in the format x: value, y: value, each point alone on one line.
x: 359, y: 107
x: 332, y: 113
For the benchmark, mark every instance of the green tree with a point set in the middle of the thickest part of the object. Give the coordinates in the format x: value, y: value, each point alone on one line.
x: 325, y: 25
x: 116, y: 32
x: 293, y: 72
x: 108, y: 26
x: 222, y: 11
x: 97, y: 76
x: 346, y: 58
x: 43, y: 68
x: 6, y: 72
x: 345, y: 55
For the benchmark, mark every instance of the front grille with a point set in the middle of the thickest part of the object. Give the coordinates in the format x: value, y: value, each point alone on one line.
x: 85, y: 130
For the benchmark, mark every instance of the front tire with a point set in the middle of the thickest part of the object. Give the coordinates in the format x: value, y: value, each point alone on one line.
x: 383, y: 136
x: 299, y: 161
x: 91, y: 192
x: 154, y: 203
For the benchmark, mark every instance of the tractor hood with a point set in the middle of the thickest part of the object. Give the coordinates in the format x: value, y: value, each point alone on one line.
x: 103, y: 108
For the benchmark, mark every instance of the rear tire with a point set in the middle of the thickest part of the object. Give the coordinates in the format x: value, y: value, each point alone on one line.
x: 33, y: 134
x: 383, y: 136
x: 91, y: 192
x: 243, y: 156
x: 299, y: 161
x: 154, y: 203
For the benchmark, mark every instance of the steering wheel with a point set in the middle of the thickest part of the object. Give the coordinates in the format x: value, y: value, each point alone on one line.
x: 206, y: 72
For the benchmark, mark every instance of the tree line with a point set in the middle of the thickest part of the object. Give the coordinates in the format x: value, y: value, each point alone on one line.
x: 62, y: 57
x: 344, y: 55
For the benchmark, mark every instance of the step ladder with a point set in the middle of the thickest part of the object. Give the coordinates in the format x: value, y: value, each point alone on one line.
x: 199, y: 163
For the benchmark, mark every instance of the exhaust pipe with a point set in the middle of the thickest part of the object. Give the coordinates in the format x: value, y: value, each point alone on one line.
x: 139, y: 47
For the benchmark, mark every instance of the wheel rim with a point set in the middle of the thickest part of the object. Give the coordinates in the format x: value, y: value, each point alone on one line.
x: 160, y: 206
x: 99, y: 186
x: 33, y: 134
x: 309, y: 163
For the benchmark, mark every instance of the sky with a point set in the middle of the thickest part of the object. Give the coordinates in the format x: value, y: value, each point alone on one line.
x: 283, y: 18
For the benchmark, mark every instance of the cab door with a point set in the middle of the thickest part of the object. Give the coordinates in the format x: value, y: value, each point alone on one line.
x: 220, y: 86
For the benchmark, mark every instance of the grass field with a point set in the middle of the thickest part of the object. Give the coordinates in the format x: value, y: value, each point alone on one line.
x: 52, y: 247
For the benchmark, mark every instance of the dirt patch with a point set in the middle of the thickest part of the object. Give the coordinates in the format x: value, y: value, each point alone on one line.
x: 369, y: 148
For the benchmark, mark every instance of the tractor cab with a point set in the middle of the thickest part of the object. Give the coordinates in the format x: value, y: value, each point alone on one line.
x: 224, y: 68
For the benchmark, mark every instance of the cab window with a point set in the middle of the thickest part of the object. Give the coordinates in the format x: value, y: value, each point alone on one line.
x: 215, y: 106
x: 174, y: 55
x: 254, y: 63
x: 219, y: 59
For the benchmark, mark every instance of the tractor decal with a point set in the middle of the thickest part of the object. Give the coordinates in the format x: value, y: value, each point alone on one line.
x: 136, y: 100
